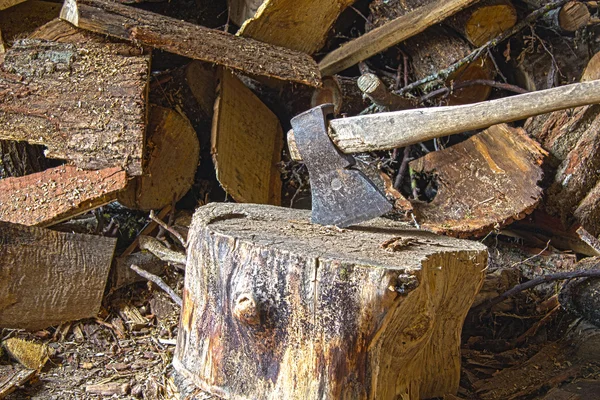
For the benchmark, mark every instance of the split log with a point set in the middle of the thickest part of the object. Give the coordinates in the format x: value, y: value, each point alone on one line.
x: 300, y: 25
x: 241, y: 10
x: 390, y: 34
x: 98, y: 122
x: 483, y: 183
x: 40, y: 286
x: 174, y: 153
x: 12, y: 378
x: 484, y: 21
x: 57, y: 194
x: 568, y: 18
x: 189, y: 40
x: 276, y: 307
x: 247, y: 140
x: 20, y: 158
x: 4, y: 4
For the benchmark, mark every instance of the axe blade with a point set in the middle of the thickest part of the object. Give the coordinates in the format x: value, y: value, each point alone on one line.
x: 341, y: 195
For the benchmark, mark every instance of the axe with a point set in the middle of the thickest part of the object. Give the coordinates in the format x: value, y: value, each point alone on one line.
x: 342, y: 195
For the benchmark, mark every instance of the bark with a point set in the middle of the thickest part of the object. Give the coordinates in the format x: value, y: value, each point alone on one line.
x: 84, y: 102
x: 173, y: 156
x: 247, y: 141
x: 57, y: 194
x: 582, y: 296
x: 40, y: 286
x: 189, y: 40
x: 275, y: 307
x: 20, y: 158
x: 503, y: 189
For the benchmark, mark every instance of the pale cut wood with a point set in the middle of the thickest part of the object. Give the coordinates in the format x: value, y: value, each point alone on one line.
x: 4, y: 4
x: 241, y: 10
x: 570, y: 17
x: 483, y: 183
x: 484, y: 21
x: 13, y: 378
x: 392, y: 33
x: 189, y: 40
x: 276, y: 307
x: 247, y: 141
x: 402, y: 128
x: 47, y: 277
x: 295, y: 24
x: 57, y: 194
x: 84, y: 101
x: 174, y: 153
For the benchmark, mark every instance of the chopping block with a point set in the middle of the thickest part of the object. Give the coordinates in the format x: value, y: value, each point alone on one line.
x: 275, y: 307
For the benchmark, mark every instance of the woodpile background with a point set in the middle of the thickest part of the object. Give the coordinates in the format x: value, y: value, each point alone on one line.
x: 120, y: 119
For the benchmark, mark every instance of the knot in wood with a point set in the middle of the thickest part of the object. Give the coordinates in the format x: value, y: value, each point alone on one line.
x: 246, y: 309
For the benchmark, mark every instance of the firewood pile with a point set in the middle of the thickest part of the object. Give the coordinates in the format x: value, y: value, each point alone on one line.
x: 158, y: 163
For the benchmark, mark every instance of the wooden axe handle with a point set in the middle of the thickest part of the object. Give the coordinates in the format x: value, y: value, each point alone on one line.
x: 397, y: 129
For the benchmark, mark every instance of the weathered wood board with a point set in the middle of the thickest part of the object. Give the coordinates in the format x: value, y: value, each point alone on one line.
x: 301, y: 25
x: 189, y: 40
x: 86, y: 102
x: 483, y: 183
x: 247, y: 140
x: 57, y: 194
x: 276, y: 307
x: 47, y: 277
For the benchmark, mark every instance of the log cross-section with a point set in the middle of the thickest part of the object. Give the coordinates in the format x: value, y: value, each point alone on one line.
x: 86, y: 102
x: 189, y: 40
x: 276, y: 307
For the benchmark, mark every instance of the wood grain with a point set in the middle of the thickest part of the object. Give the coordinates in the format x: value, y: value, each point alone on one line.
x: 47, y: 277
x: 189, y: 40
x: 300, y: 25
x: 247, y: 141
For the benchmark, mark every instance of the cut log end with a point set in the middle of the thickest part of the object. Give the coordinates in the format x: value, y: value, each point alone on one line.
x: 487, y: 22
x: 573, y: 15
x: 276, y: 307
x: 69, y: 12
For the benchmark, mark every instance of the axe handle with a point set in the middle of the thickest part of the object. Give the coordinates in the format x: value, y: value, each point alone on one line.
x: 391, y: 130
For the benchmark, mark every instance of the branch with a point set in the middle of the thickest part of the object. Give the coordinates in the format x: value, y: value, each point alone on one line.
x: 159, y: 282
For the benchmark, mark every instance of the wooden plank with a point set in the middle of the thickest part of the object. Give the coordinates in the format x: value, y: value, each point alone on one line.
x: 301, y: 25
x: 392, y: 33
x: 189, y: 40
x: 314, y: 313
x: 47, y: 277
x: 483, y: 183
x: 85, y: 102
x: 247, y: 141
x: 57, y: 194
x: 4, y: 4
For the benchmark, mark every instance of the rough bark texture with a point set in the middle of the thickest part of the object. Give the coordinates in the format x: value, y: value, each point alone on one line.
x: 84, y: 102
x: 483, y: 183
x: 300, y: 25
x: 275, y: 307
x: 47, y: 278
x: 247, y: 141
x: 9, y: 3
x: 20, y: 158
x: 582, y: 296
x: 173, y: 157
x: 484, y: 21
x: 189, y: 40
x: 18, y: 21
x: 57, y: 194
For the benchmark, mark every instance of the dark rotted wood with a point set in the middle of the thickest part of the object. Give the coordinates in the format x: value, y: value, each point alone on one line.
x: 84, y: 101
x: 57, y: 194
x: 582, y: 296
x: 47, y: 277
x: 20, y: 158
x: 483, y: 183
x: 189, y: 40
x: 18, y: 21
x: 276, y: 307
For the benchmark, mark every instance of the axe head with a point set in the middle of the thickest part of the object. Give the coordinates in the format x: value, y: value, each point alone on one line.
x: 341, y: 194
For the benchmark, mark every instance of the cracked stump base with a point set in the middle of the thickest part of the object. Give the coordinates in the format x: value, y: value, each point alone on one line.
x: 276, y: 307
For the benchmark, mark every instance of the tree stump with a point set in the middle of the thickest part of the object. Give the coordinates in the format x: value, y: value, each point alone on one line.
x: 276, y: 307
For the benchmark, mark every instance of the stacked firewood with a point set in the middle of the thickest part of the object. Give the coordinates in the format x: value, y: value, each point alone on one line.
x: 114, y: 102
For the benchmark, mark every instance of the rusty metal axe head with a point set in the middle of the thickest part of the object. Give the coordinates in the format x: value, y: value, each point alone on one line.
x: 341, y: 194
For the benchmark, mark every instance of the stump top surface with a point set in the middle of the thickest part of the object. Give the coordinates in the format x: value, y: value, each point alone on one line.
x: 380, y: 242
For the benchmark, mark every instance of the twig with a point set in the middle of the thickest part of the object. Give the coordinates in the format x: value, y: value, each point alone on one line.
x: 538, y: 281
x: 445, y: 73
x: 159, y: 282
x: 167, y: 228
x: 145, y: 231
x: 154, y: 246
x: 532, y: 257
x: 463, y: 84
x: 402, y: 169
